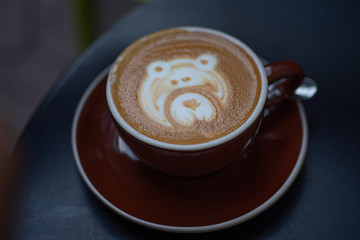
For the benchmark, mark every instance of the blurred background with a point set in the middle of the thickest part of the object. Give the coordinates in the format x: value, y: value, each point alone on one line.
x: 39, y: 39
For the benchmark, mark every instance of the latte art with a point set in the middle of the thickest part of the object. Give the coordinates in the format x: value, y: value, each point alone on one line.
x: 183, y: 90
x: 184, y: 86
x: 188, y: 107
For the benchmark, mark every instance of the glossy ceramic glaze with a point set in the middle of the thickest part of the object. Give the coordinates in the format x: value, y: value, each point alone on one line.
x: 194, y: 160
x: 190, y: 163
x: 231, y: 196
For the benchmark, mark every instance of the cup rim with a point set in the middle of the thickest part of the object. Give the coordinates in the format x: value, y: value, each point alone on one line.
x: 212, y: 143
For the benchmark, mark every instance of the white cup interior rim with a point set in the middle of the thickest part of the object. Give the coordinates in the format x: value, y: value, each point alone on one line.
x: 212, y: 143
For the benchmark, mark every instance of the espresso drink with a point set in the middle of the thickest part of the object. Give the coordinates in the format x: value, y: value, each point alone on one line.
x: 185, y: 85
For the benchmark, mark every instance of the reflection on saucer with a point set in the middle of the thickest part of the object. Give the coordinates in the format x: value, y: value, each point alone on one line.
x: 124, y: 149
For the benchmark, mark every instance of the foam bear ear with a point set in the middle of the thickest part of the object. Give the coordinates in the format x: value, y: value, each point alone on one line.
x: 158, y: 69
x: 206, y: 62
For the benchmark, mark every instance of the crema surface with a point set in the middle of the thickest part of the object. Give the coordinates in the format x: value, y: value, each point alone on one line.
x: 185, y: 86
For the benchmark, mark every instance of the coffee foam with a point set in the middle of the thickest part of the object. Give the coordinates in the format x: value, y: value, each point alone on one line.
x: 163, y: 78
x: 185, y: 87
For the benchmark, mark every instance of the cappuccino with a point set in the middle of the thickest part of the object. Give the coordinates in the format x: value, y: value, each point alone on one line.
x: 185, y: 85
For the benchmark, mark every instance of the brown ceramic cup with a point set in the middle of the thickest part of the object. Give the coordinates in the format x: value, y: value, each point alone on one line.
x: 278, y: 81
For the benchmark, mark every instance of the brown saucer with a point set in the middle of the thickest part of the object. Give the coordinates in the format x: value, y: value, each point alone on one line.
x: 232, y: 196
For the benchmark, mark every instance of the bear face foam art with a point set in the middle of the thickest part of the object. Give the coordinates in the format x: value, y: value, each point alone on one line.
x: 183, y: 91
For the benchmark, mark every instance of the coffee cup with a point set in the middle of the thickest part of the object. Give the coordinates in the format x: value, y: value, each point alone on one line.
x: 188, y: 101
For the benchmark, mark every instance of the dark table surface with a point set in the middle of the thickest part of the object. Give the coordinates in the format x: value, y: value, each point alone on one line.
x: 324, y: 203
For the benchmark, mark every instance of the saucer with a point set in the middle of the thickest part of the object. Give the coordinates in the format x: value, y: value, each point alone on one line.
x: 229, y: 197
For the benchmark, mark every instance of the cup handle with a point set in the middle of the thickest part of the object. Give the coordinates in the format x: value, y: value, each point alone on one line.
x: 283, y: 78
